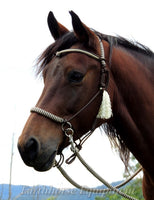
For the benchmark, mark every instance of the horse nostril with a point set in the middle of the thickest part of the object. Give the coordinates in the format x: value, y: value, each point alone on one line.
x: 31, y: 149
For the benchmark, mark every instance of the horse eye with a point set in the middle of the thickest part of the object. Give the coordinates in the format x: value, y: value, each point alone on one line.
x: 75, y: 77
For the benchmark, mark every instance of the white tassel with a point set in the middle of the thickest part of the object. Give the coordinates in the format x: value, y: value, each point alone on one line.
x: 105, y: 110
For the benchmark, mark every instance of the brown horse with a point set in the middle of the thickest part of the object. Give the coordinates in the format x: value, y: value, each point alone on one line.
x: 72, y: 79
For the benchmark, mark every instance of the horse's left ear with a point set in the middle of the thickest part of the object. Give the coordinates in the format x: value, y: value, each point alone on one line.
x: 82, y: 32
x: 57, y: 30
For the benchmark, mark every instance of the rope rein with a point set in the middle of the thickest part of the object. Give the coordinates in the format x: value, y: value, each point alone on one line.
x: 94, y: 190
x: 97, y: 176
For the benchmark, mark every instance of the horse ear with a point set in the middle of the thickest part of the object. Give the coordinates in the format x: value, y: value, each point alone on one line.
x: 57, y: 30
x: 82, y: 32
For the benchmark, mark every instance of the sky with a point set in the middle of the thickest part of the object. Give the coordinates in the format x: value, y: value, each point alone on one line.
x: 23, y: 36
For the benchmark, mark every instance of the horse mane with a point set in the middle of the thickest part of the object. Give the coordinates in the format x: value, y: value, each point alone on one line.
x: 135, y: 48
x: 141, y: 52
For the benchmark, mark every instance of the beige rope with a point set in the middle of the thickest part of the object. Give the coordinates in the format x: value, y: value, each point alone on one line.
x: 78, y: 51
x: 48, y: 114
x: 93, y: 190
x: 111, y: 188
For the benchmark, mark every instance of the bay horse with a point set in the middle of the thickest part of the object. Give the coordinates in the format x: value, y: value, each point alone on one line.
x: 72, y: 79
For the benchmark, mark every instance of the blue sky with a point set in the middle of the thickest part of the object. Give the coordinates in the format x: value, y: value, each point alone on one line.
x: 24, y: 35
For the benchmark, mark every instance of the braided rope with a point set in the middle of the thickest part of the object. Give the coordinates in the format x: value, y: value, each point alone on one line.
x: 111, y: 188
x: 102, y: 53
x: 93, y: 190
x: 48, y: 115
x: 64, y: 173
x: 58, y: 54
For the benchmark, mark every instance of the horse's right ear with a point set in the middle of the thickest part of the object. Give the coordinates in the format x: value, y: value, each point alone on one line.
x: 57, y: 30
x: 84, y: 34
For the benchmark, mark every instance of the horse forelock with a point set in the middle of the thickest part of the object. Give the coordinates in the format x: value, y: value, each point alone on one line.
x: 62, y: 43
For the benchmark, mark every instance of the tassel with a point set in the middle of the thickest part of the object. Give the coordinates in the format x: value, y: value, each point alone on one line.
x: 105, y: 110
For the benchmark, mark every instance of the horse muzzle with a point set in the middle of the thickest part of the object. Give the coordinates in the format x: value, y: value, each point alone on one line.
x: 39, y: 157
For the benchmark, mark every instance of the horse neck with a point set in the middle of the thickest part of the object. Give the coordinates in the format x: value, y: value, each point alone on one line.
x: 132, y: 105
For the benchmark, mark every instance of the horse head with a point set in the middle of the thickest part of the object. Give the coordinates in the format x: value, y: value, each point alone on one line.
x: 71, y: 80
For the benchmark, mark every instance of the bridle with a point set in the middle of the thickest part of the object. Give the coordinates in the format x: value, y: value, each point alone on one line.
x: 68, y: 130
x: 67, y: 127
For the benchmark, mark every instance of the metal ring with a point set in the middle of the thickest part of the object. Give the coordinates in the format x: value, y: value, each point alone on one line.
x: 69, y: 131
x: 66, y: 125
